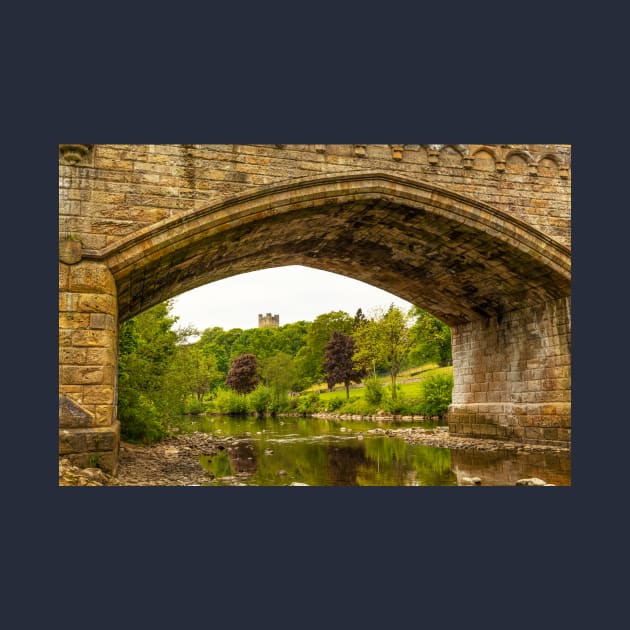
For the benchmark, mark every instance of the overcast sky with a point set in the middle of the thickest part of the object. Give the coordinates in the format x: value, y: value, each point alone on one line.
x: 294, y: 293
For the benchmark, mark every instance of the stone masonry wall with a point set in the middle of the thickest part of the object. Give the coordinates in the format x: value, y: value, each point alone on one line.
x: 512, y: 378
x: 107, y: 192
x: 88, y: 429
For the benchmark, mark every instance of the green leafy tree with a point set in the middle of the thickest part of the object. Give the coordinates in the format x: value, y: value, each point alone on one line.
x: 437, y: 394
x: 384, y: 340
x: 339, y: 364
x: 146, y: 348
x: 218, y: 343
x: 292, y: 337
x: 368, y: 347
x: 431, y: 339
x: 359, y: 319
x: 196, y: 371
x: 262, y: 342
x: 279, y: 374
x: 310, y: 358
x: 243, y: 375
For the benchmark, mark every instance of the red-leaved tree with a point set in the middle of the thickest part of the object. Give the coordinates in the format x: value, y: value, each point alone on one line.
x: 338, y: 363
x: 243, y: 375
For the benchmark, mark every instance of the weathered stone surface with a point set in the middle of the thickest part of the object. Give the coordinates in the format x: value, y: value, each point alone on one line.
x: 72, y: 415
x: 532, y: 481
x: 91, y: 277
x: 527, y: 345
x: 69, y: 252
x: 91, y: 447
x: 478, y: 235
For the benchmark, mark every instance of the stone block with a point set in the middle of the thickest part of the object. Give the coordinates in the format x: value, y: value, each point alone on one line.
x: 101, y: 338
x: 102, y: 321
x: 73, y: 320
x: 106, y: 461
x: 73, y: 415
x: 98, y: 394
x: 96, y: 303
x: 100, y: 356
x: 550, y: 433
x: 83, y: 375
x: 91, y: 277
x: 68, y: 301
x: 64, y: 276
x: 71, y: 441
x: 72, y: 356
x: 533, y: 433
x: 103, y: 414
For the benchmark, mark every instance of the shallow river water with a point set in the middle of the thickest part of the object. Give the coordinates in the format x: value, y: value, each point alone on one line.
x: 318, y: 452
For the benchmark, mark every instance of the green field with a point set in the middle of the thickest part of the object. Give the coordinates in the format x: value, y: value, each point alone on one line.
x: 406, y: 389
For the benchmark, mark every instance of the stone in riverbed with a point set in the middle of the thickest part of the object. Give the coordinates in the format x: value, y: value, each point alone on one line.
x: 531, y: 481
x: 471, y: 481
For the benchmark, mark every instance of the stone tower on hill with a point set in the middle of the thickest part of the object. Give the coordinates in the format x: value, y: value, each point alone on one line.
x: 268, y: 321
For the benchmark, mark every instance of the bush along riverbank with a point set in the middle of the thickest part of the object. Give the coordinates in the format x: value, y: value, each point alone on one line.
x: 425, y: 396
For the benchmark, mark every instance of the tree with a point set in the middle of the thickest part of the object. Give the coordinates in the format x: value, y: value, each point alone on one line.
x: 338, y: 362
x: 243, y: 375
x: 384, y: 340
x: 431, y: 339
x: 359, y: 319
x: 146, y: 400
x: 310, y: 358
x: 218, y: 343
x: 278, y: 374
x: 196, y: 371
x: 368, y: 348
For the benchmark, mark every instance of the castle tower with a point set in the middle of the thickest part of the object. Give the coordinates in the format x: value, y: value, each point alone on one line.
x: 268, y: 321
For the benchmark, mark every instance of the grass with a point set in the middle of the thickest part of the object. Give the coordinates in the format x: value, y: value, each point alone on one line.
x: 412, y: 398
x: 408, y: 390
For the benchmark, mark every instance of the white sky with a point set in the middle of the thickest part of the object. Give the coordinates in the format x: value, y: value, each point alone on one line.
x: 294, y: 293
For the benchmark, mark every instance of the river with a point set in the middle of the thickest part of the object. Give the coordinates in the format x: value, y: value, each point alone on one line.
x: 320, y: 452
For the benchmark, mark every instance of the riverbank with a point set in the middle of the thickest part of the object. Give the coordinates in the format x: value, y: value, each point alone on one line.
x: 175, y: 461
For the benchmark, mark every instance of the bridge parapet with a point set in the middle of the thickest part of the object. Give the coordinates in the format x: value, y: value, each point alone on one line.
x: 107, y: 192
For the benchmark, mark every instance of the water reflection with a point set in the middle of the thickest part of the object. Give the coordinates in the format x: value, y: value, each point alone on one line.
x: 500, y: 468
x: 318, y: 452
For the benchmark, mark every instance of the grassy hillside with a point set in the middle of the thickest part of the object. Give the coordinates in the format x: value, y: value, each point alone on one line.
x: 412, y: 398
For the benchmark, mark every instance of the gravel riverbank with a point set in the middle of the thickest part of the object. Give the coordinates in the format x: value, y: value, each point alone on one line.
x: 175, y: 461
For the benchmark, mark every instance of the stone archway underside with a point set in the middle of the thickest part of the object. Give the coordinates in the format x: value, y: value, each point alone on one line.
x: 459, y: 259
x: 502, y: 286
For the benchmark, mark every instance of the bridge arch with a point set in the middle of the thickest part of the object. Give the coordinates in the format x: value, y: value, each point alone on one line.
x: 459, y: 258
x: 503, y: 287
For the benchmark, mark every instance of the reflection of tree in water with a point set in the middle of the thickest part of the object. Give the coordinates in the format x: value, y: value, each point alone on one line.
x: 399, y: 463
x: 344, y: 461
x: 242, y: 458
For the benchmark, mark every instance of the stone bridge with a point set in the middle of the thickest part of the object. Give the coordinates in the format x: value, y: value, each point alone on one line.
x: 478, y: 235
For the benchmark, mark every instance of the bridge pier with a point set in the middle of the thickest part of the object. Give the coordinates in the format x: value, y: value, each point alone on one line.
x: 512, y: 376
x: 89, y: 432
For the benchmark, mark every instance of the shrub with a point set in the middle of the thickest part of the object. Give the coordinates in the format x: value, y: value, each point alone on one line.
x: 373, y: 390
x: 357, y: 406
x: 139, y: 419
x: 332, y: 404
x: 260, y: 400
x: 395, y: 407
x: 437, y: 394
x: 308, y: 403
x: 194, y: 407
x: 230, y: 402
